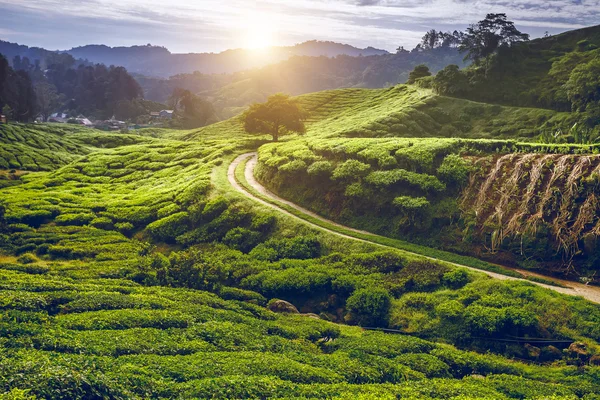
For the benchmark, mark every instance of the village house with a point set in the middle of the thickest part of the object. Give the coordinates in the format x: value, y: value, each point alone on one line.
x: 166, y: 114
x: 3, y: 119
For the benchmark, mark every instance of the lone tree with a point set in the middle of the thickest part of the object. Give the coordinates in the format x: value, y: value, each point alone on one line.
x: 280, y: 115
x: 483, y: 39
x: 420, y: 71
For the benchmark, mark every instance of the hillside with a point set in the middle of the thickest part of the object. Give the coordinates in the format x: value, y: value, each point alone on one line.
x: 298, y: 75
x: 136, y: 271
x: 352, y: 166
x: 535, y: 73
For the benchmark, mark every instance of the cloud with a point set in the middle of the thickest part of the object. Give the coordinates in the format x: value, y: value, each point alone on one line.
x: 189, y: 25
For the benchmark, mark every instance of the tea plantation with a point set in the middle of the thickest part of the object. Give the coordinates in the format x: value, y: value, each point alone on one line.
x: 131, y: 269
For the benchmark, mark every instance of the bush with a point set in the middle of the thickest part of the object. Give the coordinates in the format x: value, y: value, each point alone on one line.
x: 102, y: 223
x: 369, y: 307
x: 231, y: 293
x: 167, y: 229
x: 242, y: 239
x: 455, y: 169
x: 430, y: 365
x: 27, y: 258
x: 351, y: 169
x: 456, y: 279
x: 293, y: 167
x: 320, y: 169
x: 301, y: 247
x: 124, y: 227
x: 411, y: 204
x: 74, y: 219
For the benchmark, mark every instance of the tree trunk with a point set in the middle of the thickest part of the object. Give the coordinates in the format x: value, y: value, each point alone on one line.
x: 276, y: 133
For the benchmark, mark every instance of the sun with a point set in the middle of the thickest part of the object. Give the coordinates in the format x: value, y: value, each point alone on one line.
x: 259, y: 32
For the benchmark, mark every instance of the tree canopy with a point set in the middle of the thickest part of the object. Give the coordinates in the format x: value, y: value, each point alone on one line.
x: 17, y: 96
x: 420, y: 71
x: 483, y: 39
x: 280, y: 115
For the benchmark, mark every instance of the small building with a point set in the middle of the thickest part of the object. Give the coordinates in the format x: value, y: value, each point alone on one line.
x: 60, y: 118
x: 154, y: 115
x: 3, y: 119
x: 166, y: 114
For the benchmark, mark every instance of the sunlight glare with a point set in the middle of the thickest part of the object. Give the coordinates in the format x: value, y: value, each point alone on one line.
x: 260, y: 31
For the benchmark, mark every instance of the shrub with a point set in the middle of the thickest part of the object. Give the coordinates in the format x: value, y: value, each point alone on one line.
x: 74, y: 219
x: 27, y: 258
x: 293, y: 167
x: 320, y: 169
x: 102, y: 223
x: 456, y: 278
x: 124, y: 227
x: 301, y: 247
x: 369, y: 307
x: 351, y: 169
x: 231, y: 293
x: 242, y: 239
x: 430, y: 365
x: 168, y: 210
x: 455, y: 169
x: 167, y: 229
x: 411, y: 204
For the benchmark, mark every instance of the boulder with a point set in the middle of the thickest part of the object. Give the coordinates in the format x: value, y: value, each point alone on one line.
x: 282, y: 306
x: 579, y: 349
x: 311, y: 315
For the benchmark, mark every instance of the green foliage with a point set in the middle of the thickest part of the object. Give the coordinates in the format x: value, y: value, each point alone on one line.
x: 350, y: 169
x: 102, y: 315
x: 169, y: 228
x: 420, y: 71
x: 300, y: 247
x: 409, y: 204
x: 583, y: 84
x: 279, y: 116
x: 369, y: 307
x: 451, y: 82
x: 455, y: 169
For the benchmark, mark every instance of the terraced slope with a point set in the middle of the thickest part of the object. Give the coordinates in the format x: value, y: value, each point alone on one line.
x: 37, y: 149
x: 135, y: 271
x: 408, y: 111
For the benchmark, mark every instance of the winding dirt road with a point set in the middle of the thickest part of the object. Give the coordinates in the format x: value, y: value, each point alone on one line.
x: 591, y: 293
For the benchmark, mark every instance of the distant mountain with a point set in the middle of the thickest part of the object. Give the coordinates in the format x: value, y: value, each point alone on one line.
x: 159, y: 62
x: 231, y: 93
x: 11, y: 50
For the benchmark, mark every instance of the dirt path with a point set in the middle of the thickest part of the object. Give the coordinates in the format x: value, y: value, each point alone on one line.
x: 591, y: 293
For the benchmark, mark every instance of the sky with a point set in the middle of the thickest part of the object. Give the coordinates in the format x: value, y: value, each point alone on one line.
x: 185, y: 26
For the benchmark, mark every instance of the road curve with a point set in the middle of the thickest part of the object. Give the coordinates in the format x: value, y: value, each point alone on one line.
x: 591, y: 293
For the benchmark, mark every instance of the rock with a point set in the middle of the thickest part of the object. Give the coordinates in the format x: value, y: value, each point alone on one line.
x: 532, y: 351
x: 282, y: 306
x: 311, y: 315
x: 551, y: 353
x: 578, y: 348
x: 595, y: 360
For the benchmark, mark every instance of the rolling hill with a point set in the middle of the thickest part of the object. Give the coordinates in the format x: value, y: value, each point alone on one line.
x: 130, y: 268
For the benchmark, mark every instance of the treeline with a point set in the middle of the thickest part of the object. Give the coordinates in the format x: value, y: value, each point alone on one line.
x: 58, y: 84
x: 556, y: 72
x: 17, y: 96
